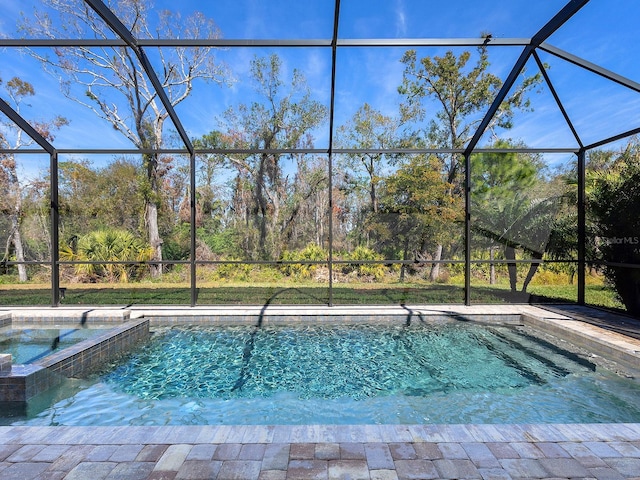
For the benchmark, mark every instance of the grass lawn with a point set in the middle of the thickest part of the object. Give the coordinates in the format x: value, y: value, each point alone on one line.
x: 244, y: 293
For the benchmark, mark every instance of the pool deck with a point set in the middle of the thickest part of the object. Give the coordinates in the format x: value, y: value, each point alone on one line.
x: 373, y: 452
x: 321, y: 452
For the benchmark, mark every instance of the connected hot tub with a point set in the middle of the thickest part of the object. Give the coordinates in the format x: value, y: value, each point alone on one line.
x: 37, y: 354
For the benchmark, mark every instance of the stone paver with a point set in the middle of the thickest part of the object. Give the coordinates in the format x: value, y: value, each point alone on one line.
x: 25, y: 453
x: 152, y: 453
x: 456, y: 468
x: 202, y: 452
x: 199, y: 469
x: 273, y: 475
x: 481, y: 455
x: 254, y: 451
x: 173, y: 458
x: 523, y: 468
x: 327, y: 451
x: 378, y: 456
x: 416, y: 469
x: 307, y: 470
x: 302, y: 451
x: 227, y: 451
x: 24, y: 471
x: 402, y: 451
x: 92, y: 470
x: 629, y: 467
x: 352, y: 451
x: 276, y: 456
x: 564, y: 467
x: 130, y: 471
x: 494, y: 474
x: 383, y: 475
x: 452, y: 450
x: 605, y: 473
x: 99, y: 453
x: 126, y: 453
x: 351, y: 469
x: 427, y: 451
x: 239, y: 470
x: 608, y: 452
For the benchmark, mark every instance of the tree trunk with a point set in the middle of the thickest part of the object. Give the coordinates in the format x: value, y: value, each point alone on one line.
x: 261, y: 214
x: 404, y: 257
x: 151, y: 219
x: 510, y: 254
x: 492, y: 266
x: 16, y: 239
x: 435, y: 267
x: 533, y: 268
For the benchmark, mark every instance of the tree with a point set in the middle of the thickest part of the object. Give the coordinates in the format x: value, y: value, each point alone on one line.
x: 284, y: 120
x: 112, y: 83
x: 463, y: 92
x: 110, y: 245
x: 509, y: 207
x: 87, y: 193
x: 11, y: 200
x: 417, y: 207
x: 613, y: 201
x: 371, y: 129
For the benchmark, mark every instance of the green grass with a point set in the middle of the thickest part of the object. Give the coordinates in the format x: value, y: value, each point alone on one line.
x: 302, y: 294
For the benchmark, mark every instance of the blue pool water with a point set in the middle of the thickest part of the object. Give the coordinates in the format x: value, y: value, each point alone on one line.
x: 27, y: 345
x: 346, y: 375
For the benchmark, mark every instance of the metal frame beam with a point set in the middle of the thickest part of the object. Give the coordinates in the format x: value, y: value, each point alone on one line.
x: 467, y: 228
x: 334, y: 54
x: 556, y: 97
x: 592, y: 67
x: 26, y: 127
x: 615, y: 138
x: 582, y: 229
x: 545, y: 32
x: 223, y: 42
x: 296, y: 151
x: 123, y: 32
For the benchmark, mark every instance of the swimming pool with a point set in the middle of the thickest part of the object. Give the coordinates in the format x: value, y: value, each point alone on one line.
x: 356, y: 374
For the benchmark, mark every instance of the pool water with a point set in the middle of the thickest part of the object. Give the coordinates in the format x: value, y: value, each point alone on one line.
x: 347, y: 375
x: 27, y: 345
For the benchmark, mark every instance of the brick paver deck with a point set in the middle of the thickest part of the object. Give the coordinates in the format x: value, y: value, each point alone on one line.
x: 366, y: 452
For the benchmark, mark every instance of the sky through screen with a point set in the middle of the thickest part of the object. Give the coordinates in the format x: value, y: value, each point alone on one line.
x: 604, y: 33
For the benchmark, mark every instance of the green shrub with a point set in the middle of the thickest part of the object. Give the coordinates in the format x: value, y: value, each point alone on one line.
x: 232, y: 271
x: 109, y: 245
x: 311, y: 252
x: 359, y: 254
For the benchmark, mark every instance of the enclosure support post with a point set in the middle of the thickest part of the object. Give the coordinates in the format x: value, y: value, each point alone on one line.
x: 330, y: 264
x: 192, y: 226
x: 334, y: 51
x: 54, y: 213
x: 582, y: 229
x: 467, y: 228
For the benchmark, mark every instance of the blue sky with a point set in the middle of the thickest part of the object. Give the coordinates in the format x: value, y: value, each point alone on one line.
x: 604, y: 32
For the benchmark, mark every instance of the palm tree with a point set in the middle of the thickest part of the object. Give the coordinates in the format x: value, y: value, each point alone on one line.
x: 108, y: 245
